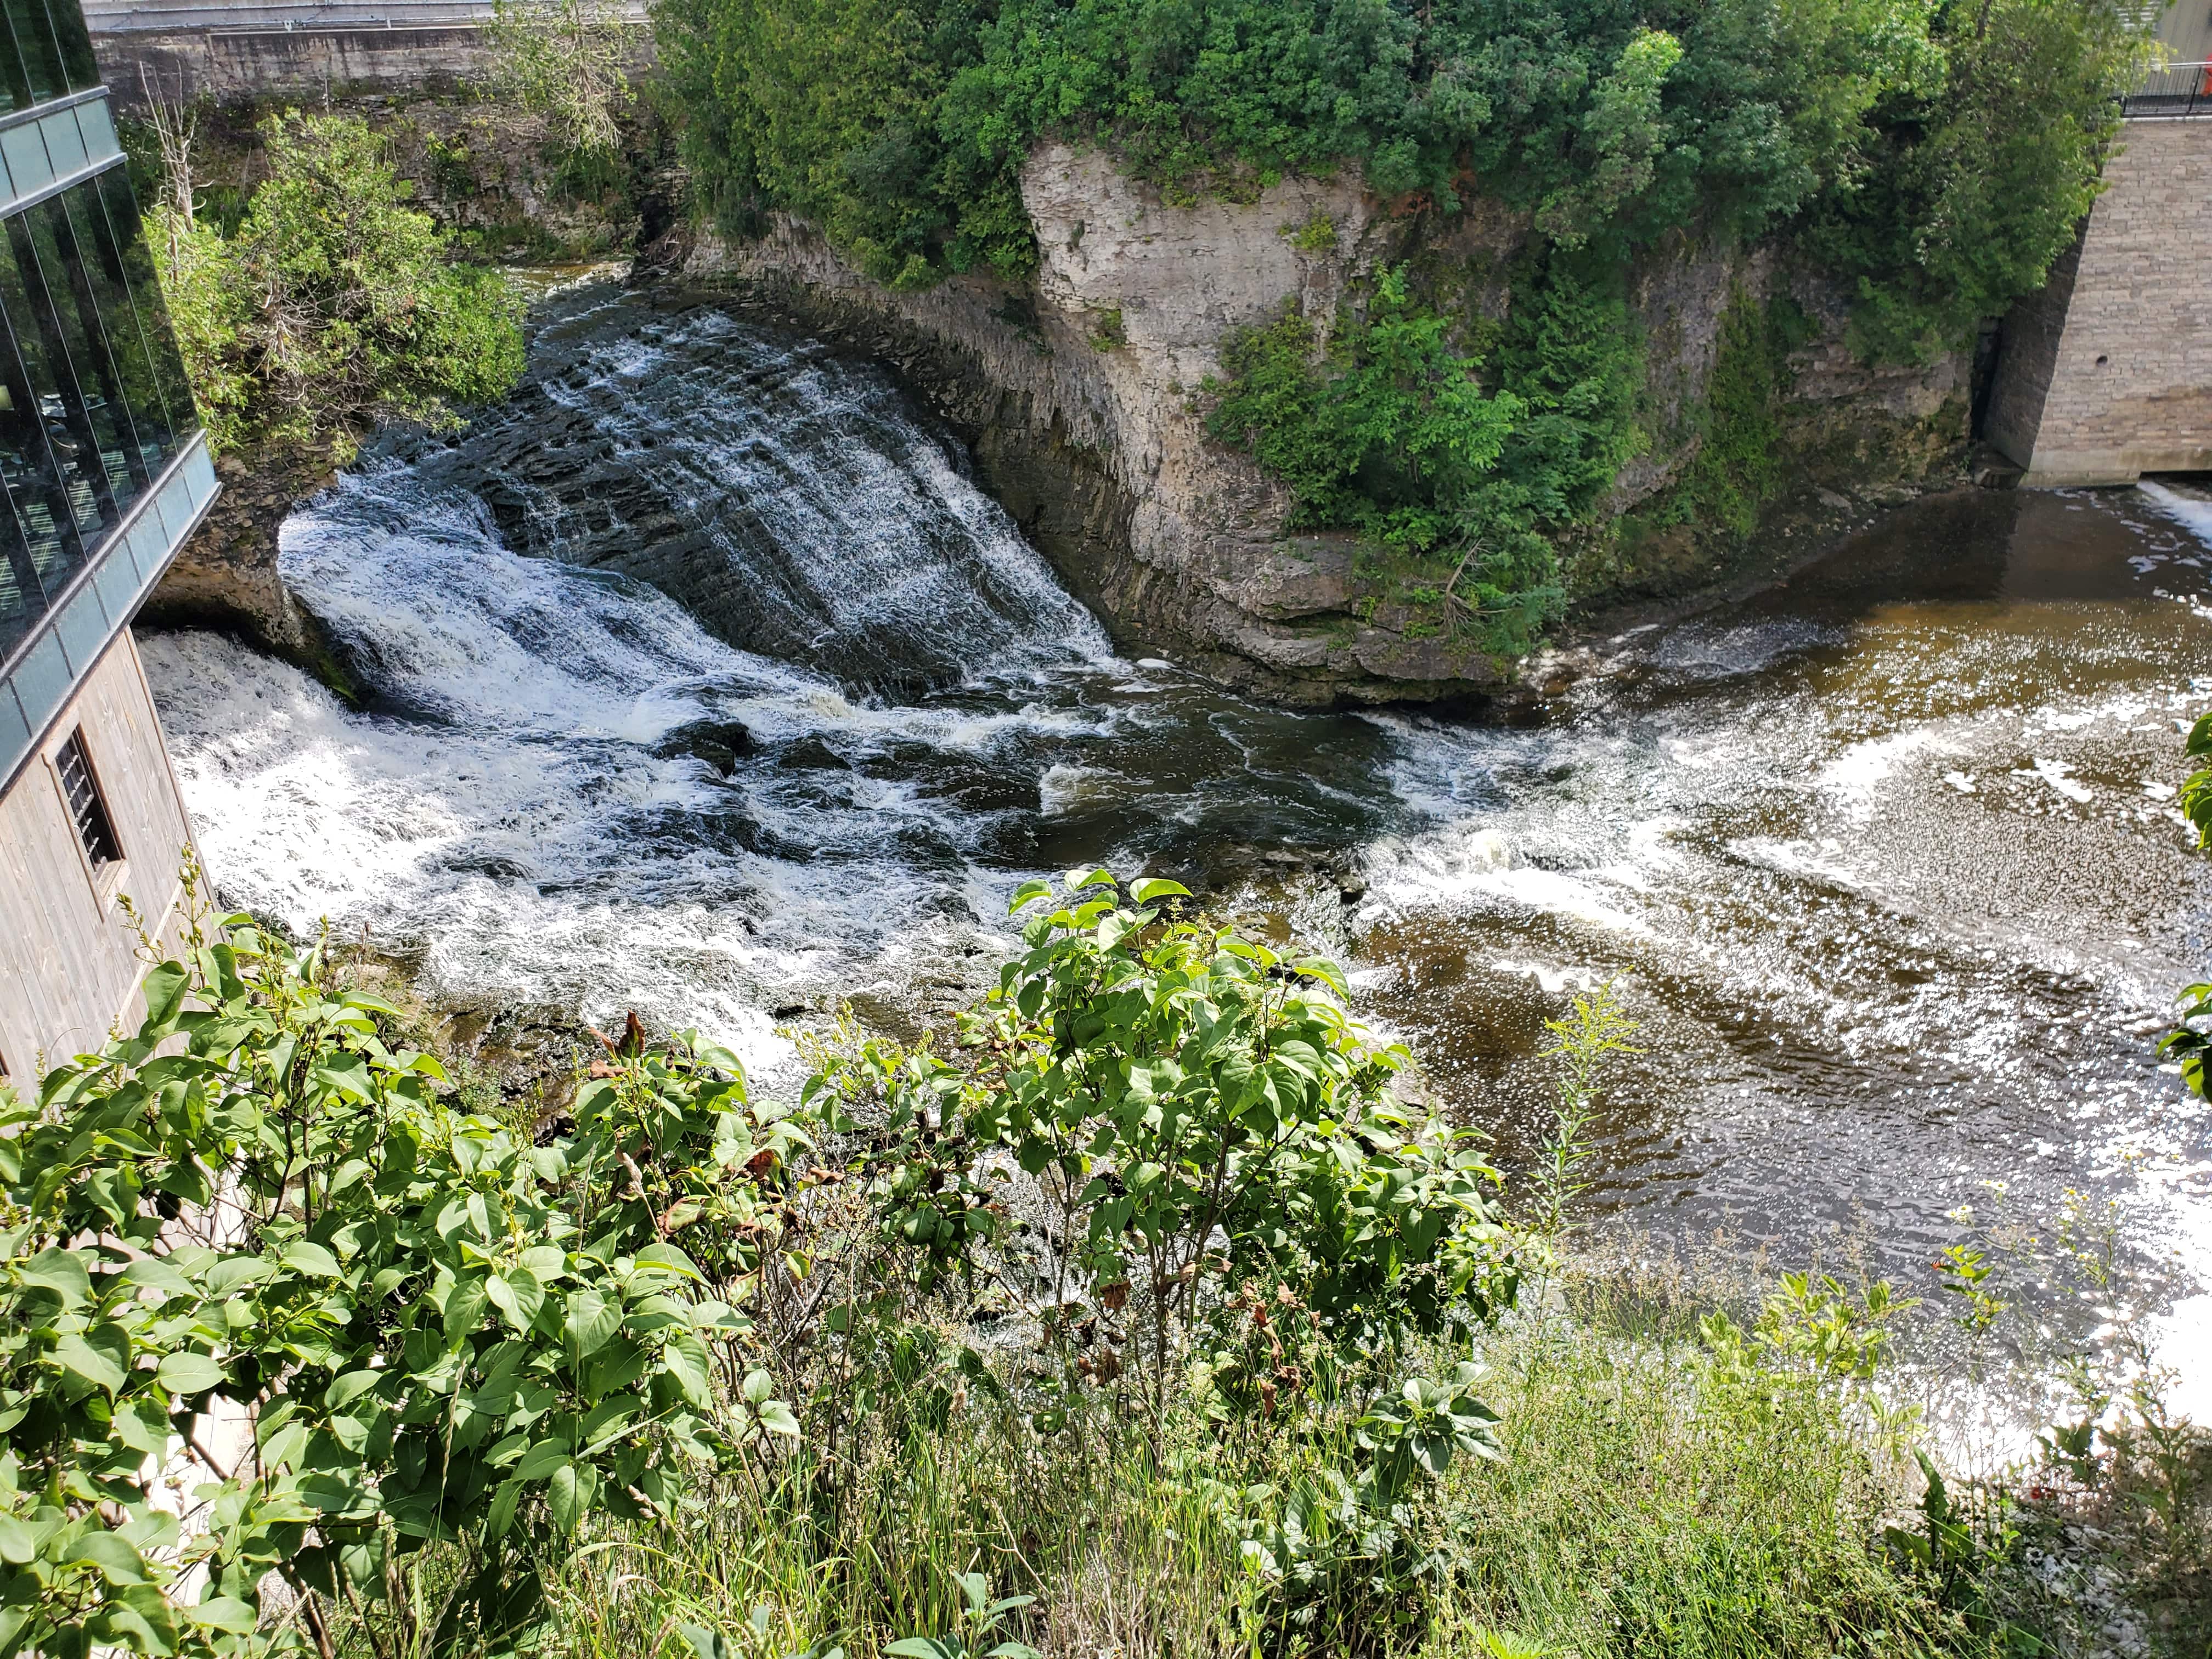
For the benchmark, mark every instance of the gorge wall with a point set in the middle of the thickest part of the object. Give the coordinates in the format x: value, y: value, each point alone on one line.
x: 1082, y: 395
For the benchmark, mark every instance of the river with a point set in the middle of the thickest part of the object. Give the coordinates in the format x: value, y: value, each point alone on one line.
x: 703, y: 681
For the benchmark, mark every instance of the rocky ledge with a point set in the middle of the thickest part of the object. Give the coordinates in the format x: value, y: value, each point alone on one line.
x: 1082, y: 396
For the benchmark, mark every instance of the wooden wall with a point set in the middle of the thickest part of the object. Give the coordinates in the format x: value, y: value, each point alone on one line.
x: 69, y: 971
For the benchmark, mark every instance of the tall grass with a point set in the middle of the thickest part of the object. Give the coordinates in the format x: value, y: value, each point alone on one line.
x: 1653, y: 1498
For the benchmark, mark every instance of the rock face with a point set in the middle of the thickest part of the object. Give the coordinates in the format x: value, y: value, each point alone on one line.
x: 1082, y: 398
x: 225, y: 577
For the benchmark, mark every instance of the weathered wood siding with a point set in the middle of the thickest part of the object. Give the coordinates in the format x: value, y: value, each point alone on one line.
x: 69, y: 968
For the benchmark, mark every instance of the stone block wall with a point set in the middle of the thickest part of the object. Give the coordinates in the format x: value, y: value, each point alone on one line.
x: 2106, y: 374
x: 304, y: 64
x: 307, y: 62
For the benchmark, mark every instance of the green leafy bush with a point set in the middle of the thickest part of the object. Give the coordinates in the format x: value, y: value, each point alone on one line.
x: 434, y: 1331
x: 333, y: 306
x: 1386, y: 434
x: 1198, y: 1115
x: 563, y: 60
x: 1392, y: 433
x: 450, y: 1349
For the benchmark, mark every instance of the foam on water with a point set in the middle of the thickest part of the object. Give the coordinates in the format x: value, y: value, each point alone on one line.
x: 703, y: 680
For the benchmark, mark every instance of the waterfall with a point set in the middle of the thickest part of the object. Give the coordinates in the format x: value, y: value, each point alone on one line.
x: 702, y: 680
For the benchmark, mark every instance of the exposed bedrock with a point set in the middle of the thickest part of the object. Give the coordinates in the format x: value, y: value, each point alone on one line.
x: 1081, y: 395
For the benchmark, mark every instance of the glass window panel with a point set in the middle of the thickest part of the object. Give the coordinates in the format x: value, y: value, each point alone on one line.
x: 136, y: 259
x: 100, y: 263
x: 23, y: 595
x: 82, y: 344
x: 83, y: 627
x: 38, y: 68
x: 72, y: 439
x: 41, y: 678
x: 15, y: 730
x: 64, y: 141
x: 24, y: 147
x: 97, y: 127
x: 117, y: 579
x: 37, y: 452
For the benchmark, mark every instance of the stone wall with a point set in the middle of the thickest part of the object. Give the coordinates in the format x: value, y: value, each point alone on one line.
x: 297, y: 64
x: 2106, y: 374
x: 313, y: 62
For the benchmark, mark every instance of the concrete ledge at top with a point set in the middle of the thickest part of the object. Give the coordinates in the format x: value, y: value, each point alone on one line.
x: 2090, y: 469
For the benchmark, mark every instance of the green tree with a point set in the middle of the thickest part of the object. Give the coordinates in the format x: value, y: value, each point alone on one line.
x: 1980, y: 174
x: 563, y: 60
x: 334, y: 306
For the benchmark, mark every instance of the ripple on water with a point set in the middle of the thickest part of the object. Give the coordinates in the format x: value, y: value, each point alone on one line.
x: 703, y: 679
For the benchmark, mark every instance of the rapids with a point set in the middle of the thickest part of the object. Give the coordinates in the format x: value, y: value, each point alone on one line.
x: 704, y: 681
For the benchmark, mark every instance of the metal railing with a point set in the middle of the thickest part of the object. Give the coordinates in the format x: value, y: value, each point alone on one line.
x: 2173, y: 92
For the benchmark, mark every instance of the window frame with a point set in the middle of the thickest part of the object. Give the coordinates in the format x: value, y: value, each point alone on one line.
x: 106, y: 877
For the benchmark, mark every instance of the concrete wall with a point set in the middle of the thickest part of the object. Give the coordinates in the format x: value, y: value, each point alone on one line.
x: 226, y: 50
x: 69, y: 969
x: 305, y: 63
x: 2107, y: 373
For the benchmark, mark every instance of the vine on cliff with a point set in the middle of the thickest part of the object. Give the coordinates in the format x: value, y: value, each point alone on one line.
x: 1737, y: 468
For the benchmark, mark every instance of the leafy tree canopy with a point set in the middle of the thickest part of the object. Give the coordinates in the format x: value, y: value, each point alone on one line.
x: 335, y: 305
x: 1938, y: 154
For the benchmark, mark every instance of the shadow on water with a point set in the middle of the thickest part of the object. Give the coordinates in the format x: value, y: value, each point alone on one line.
x: 709, y: 683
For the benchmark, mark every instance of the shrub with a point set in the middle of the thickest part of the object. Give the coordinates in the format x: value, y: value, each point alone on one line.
x: 1200, y: 1116
x: 1392, y: 434
x: 440, y: 1332
x: 254, y: 1212
x: 333, y: 306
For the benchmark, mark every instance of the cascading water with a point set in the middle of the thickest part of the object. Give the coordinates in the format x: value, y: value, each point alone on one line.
x: 1886, y: 859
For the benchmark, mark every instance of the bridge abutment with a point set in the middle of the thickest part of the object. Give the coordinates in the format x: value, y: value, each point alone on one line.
x: 2107, y: 374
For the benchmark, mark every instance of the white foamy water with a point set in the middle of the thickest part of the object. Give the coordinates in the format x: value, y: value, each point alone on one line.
x: 791, y: 707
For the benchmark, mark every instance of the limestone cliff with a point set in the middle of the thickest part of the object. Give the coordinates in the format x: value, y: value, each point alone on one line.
x: 1081, y: 395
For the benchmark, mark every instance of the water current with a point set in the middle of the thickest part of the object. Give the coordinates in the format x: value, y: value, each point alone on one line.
x: 702, y: 680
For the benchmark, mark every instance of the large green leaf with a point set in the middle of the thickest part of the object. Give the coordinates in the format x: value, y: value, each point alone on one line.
x: 116, y: 1560
x: 592, y: 1321
x: 185, y: 1372
x: 103, y: 1370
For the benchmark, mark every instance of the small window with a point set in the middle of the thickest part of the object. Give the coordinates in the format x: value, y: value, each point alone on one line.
x: 86, y: 808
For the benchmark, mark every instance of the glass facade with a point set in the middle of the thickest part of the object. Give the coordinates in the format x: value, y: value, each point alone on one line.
x: 94, y: 403
x: 45, y: 53
x: 103, y: 470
